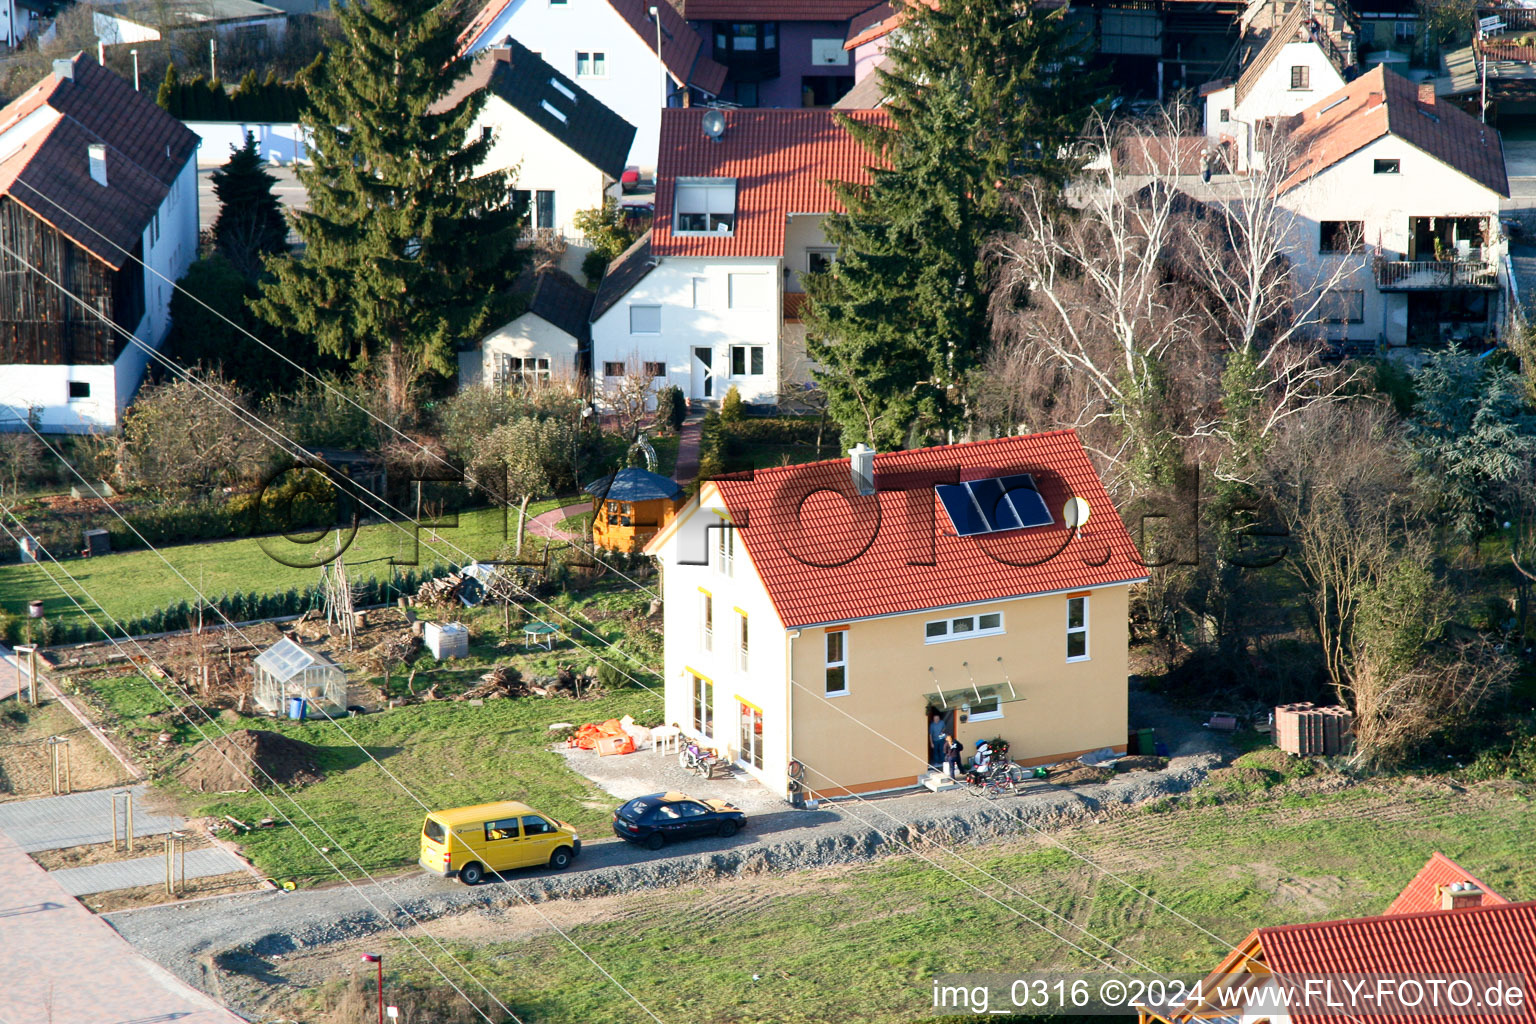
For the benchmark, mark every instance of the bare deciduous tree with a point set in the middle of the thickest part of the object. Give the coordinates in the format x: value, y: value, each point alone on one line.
x: 631, y: 396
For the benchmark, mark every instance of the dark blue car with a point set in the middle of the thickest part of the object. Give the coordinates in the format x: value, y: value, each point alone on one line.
x: 652, y: 821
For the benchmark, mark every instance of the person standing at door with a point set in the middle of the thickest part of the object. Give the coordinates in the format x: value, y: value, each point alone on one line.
x: 935, y: 738
x: 953, y: 748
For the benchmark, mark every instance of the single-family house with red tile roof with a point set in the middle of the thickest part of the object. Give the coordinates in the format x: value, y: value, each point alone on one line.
x: 1395, y: 194
x: 1444, y: 925
x: 738, y: 219
x: 98, y: 207
x: 828, y: 613
x: 615, y: 50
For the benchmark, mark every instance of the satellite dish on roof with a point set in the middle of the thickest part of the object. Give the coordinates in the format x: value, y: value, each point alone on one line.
x: 1075, y: 513
x: 714, y: 124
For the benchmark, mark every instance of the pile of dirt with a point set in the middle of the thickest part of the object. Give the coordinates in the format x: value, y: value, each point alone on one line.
x: 1075, y: 773
x: 1141, y: 763
x: 232, y: 762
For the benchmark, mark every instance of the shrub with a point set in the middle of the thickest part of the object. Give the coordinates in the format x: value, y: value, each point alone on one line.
x: 732, y: 408
x: 671, y: 408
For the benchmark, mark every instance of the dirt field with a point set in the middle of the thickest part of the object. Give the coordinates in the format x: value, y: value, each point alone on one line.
x: 153, y: 895
x: 25, y: 763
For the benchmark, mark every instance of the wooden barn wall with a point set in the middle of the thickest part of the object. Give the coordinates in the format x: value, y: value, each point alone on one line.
x: 38, y: 322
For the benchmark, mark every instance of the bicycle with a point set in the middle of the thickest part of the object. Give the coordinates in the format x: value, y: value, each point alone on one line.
x: 1002, y: 776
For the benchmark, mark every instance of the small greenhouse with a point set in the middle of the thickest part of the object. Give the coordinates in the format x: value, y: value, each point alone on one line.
x: 288, y: 669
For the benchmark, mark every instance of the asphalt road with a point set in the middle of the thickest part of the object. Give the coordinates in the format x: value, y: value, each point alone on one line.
x: 288, y: 191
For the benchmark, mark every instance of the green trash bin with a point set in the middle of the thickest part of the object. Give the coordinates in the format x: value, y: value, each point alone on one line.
x: 1145, y: 741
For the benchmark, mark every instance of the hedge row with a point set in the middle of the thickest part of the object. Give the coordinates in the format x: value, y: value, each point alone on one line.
x: 198, y: 99
x: 777, y: 430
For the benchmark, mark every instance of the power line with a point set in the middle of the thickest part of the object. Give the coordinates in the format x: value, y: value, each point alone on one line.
x: 181, y: 709
x: 591, y: 553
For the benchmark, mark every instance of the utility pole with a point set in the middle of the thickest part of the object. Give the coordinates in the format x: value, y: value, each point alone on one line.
x: 135, y: 52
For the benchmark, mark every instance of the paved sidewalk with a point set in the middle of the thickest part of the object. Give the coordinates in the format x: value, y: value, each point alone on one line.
x: 56, y: 822
x: 546, y: 524
x: 688, y: 441
x: 10, y: 675
x: 64, y: 965
x: 128, y: 874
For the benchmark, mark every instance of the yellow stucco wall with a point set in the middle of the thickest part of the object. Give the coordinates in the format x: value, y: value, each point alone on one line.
x: 1068, y: 707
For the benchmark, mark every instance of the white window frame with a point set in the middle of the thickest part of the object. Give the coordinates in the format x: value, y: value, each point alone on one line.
x: 741, y: 641
x: 713, y: 192
x: 725, y: 564
x: 596, y: 61
x: 707, y: 620
x: 829, y: 251
x: 633, y: 306
x: 983, y: 716
x: 747, y: 360
x: 1087, y: 654
x: 841, y: 662
x: 949, y: 635
x: 740, y: 302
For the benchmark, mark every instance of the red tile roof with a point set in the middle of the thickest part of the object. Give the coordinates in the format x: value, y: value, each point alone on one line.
x: 681, y: 46
x: 1423, y: 892
x: 880, y: 20
x: 1379, y: 103
x: 146, y: 148
x: 781, y: 161
x: 874, y: 576
x: 1499, y: 939
x: 772, y: 10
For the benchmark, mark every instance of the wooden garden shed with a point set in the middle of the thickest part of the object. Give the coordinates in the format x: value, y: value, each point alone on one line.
x: 630, y: 506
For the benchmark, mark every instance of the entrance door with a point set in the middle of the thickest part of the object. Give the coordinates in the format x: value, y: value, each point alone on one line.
x: 932, y: 738
x: 703, y: 383
x: 751, y: 735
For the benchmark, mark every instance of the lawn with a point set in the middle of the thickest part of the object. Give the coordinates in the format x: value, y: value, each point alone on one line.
x: 864, y: 943
x: 136, y: 582
x: 447, y: 753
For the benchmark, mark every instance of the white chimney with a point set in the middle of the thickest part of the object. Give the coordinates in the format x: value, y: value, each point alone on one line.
x: 64, y: 68
x: 861, y: 462
x: 98, y: 156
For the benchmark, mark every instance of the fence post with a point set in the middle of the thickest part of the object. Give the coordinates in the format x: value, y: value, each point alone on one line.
x: 127, y: 802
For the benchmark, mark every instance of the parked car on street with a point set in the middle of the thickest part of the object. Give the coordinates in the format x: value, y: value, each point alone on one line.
x: 652, y: 821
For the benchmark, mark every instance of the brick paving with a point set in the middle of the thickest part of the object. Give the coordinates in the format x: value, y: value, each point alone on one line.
x: 688, y: 441
x: 129, y: 874
x: 57, y: 822
x: 64, y: 965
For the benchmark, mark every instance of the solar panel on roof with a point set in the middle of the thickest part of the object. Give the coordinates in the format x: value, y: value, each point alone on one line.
x: 994, y: 505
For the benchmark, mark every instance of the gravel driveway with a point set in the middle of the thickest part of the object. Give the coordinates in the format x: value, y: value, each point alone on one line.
x: 845, y: 832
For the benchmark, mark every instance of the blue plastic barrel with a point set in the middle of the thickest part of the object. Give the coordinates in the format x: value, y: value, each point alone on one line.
x: 296, y: 708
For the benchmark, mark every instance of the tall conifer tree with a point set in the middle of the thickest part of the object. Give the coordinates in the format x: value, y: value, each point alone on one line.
x: 406, y: 248
x: 980, y: 94
x: 250, y: 224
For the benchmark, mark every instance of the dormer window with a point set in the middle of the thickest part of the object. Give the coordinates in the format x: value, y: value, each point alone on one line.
x: 705, y: 206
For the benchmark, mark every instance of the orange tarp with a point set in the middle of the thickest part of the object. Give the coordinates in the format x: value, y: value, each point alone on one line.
x: 586, y: 736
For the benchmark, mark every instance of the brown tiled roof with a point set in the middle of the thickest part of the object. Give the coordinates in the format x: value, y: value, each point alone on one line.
x: 623, y: 274
x: 781, y: 161
x: 1288, y: 31
x: 772, y: 10
x: 782, y: 511
x: 1423, y: 892
x: 681, y: 46
x: 1382, y: 102
x: 868, y: 93
x: 146, y: 148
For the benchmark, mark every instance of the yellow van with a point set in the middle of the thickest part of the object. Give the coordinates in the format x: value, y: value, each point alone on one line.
x: 469, y: 842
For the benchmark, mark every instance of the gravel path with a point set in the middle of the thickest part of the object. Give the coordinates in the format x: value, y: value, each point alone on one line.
x: 129, y: 874
x: 274, y: 923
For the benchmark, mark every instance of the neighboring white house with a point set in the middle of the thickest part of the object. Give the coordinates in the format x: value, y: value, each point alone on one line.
x: 19, y: 17
x: 1299, y: 61
x: 710, y: 298
x: 1401, y: 190
x: 139, y: 21
x: 94, y: 178
x: 565, y: 148
x: 546, y: 342
x: 610, y: 48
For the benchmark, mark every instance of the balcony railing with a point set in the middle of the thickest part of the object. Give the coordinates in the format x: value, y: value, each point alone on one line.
x: 1435, y: 275
x: 1506, y: 49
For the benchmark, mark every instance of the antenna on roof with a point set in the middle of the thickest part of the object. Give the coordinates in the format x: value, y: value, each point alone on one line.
x: 1075, y: 514
x: 714, y: 124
